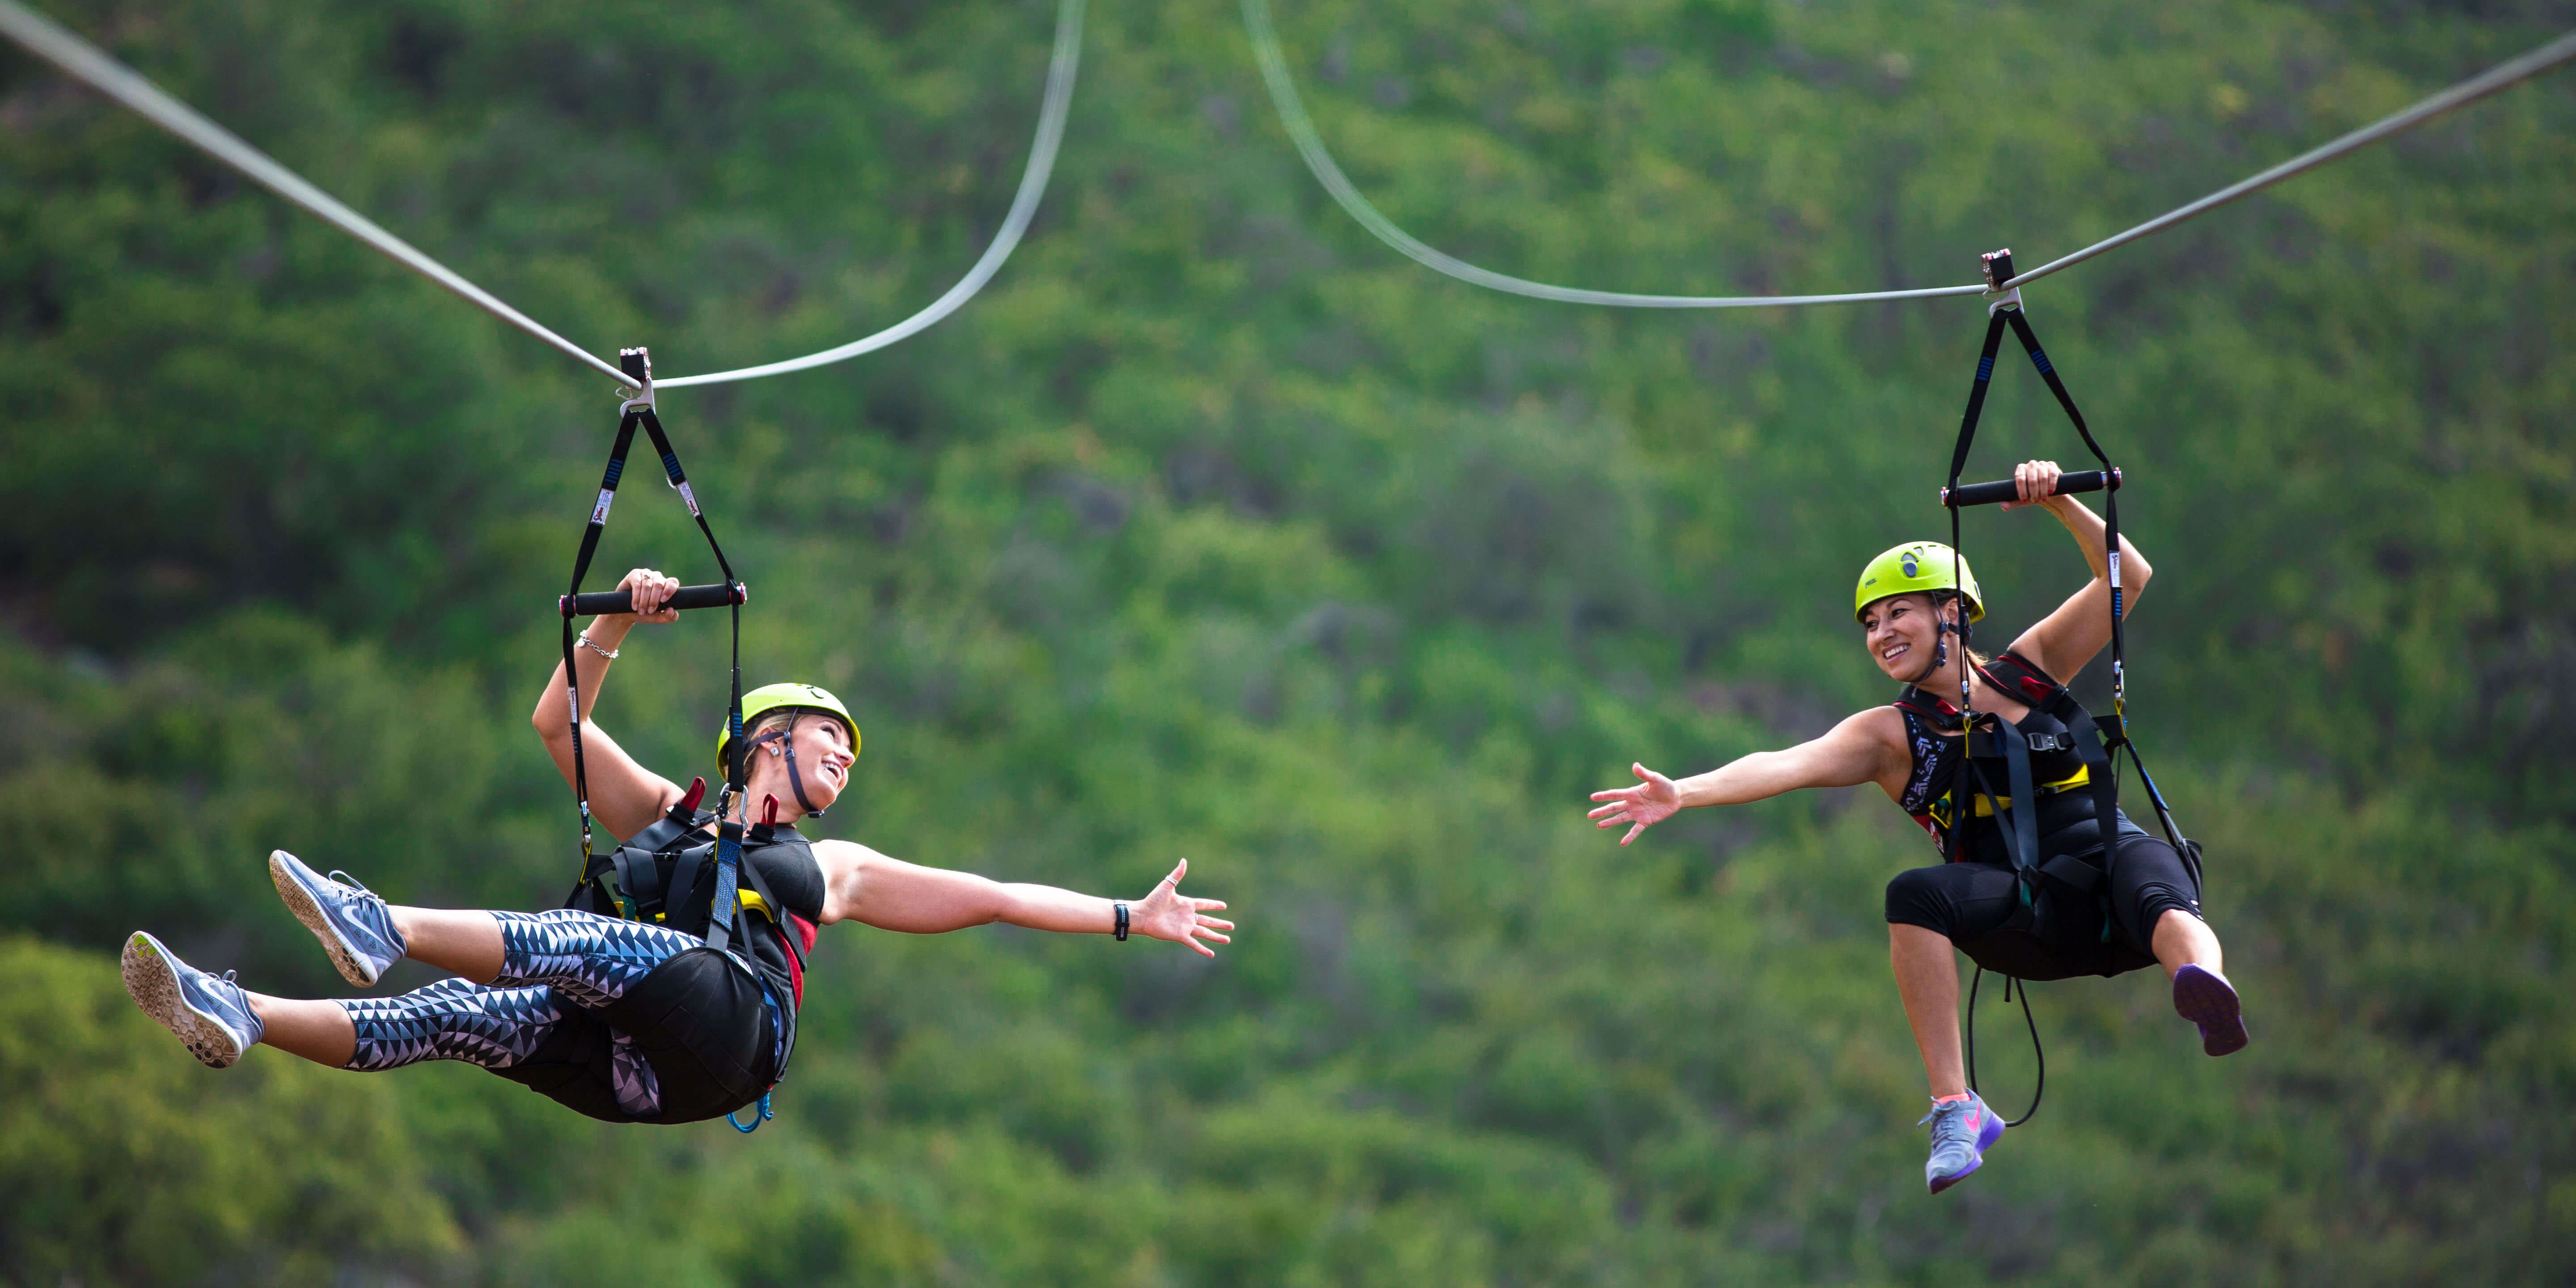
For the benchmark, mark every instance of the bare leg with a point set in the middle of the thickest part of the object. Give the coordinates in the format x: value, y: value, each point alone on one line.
x: 467, y: 943
x: 1927, y: 977
x: 2182, y: 939
x: 318, y: 1031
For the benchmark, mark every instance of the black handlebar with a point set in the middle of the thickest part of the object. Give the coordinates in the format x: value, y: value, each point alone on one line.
x: 600, y: 602
x: 2006, y: 490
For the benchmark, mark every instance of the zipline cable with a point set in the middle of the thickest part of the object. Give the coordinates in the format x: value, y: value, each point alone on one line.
x: 1024, y: 207
x: 1310, y: 145
x: 44, y: 38
x: 1301, y: 131
x: 83, y: 61
x: 2499, y: 77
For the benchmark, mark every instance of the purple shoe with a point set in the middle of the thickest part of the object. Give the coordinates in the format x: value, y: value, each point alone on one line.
x: 2205, y: 998
x: 1962, y: 1132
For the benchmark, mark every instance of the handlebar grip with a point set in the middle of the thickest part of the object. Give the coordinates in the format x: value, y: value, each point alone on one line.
x: 599, y: 602
x: 2002, y: 490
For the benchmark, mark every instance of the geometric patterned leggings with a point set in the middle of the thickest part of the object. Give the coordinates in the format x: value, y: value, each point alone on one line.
x: 550, y: 961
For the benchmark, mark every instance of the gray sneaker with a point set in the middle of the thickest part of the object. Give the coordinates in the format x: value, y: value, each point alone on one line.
x: 352, y: 921
x: 1962, y: 1132
x: 212, y: 1015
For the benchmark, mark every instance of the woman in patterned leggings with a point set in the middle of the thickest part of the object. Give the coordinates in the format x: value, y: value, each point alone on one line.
x: 627, y: 1020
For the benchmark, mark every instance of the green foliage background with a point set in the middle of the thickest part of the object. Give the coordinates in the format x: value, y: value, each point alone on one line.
x: 1215, y: 529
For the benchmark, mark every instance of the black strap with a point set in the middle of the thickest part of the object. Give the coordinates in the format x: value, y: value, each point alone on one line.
x: 795, y: 777
x: 1960, y: 800
x: 2019, y: 821
x: 638, y: 364
x: 2100, y: 768
x: 572, y: 667
x: 2110, y: 507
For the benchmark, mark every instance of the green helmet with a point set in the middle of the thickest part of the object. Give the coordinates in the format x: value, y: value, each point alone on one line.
x: 773, y: 697
x: 1918, y: 566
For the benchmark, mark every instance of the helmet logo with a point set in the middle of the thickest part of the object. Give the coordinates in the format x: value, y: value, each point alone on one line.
x: 1911, y: 567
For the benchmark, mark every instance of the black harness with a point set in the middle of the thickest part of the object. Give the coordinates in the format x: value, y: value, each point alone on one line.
x: 672, y: 871
x: 2067, y: 895
x: 669, y: 874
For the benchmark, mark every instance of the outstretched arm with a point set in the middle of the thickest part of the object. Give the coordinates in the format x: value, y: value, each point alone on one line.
x: 2062, y: 642
x: 863, y: 885
x: 624, y: 795
x: 1862, y: 749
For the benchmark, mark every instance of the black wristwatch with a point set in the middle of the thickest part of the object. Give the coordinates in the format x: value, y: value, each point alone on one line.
x: 1121, y: 932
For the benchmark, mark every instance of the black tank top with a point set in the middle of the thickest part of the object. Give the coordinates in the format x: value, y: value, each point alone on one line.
x: 787, y: 865
x: 1935, y: 746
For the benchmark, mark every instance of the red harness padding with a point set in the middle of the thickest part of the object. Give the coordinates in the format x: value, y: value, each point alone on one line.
x: 805, y: 930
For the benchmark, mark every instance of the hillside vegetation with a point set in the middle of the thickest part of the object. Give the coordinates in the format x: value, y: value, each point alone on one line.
x: 1214, y: 528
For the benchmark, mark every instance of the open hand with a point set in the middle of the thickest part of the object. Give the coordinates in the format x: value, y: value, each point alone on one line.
x: 648, y: 590
x: 1651, y: 801
x: 1169, y: 915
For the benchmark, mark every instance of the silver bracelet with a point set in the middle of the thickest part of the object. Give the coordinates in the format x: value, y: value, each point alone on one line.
x: 593, y: 645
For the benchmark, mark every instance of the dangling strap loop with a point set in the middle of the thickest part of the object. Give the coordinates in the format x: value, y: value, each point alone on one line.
x: 2038, y: 1056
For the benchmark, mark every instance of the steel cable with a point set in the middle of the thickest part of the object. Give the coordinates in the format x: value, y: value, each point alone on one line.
x: 1024, y: 207
x: 1301, y: 131
x: 83, y: 61
x: 2501, y: 76
x: 1310, y: 145
x: 44, y: 38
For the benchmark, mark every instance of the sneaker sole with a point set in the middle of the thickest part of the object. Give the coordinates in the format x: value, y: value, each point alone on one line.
x: 308, y: 910
x: 152, y: 980
x: 1948, y: 1181
x: 2208, y: 1001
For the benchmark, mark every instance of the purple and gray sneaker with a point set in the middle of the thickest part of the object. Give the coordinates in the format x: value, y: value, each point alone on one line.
x: 2205, y: 998
x: 210, y: 1013
x: 1962, y: 1132
x: 352, y: 921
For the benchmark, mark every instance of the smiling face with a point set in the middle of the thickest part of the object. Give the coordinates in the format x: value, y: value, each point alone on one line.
x: 1903, y: 632
x: 823, y: 760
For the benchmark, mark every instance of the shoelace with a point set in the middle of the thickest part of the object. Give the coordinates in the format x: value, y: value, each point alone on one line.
x: 1961, y: 1106
x: 355, y: 884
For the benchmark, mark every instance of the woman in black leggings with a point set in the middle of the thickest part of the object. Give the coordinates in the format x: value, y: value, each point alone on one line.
x: 1908, y: 605
x: 637, y: 1017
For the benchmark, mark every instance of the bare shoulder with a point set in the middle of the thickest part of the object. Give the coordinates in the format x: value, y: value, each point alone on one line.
x: 845, y: 856
x: 845, y: 865
x: 1878, y: 733
x: 1879, y: 724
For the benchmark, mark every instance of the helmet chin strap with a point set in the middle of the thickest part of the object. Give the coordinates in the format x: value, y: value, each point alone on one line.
x: 786, y: 738
x: 1940, y: 652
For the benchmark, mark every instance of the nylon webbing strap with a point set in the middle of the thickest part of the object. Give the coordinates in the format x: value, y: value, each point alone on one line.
x: 638, y: 364
x: 2019, y: 821
x: 2110, y: 508
x: 571, y: 664
x: 1962, y: 795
